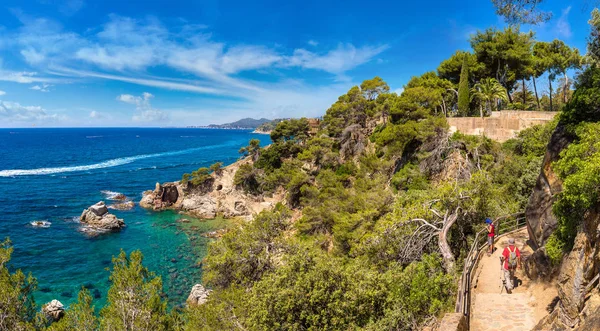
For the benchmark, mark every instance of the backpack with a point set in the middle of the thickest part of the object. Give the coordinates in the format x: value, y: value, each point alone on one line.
x: 512, y: 258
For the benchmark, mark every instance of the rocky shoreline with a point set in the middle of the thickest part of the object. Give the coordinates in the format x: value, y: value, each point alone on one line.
x: 219, y: 196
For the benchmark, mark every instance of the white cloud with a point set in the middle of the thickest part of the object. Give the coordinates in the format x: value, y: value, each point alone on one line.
x: 2, y: 93
x: 15, y: 112
x: 99, y: 115
x: 345, y: 57
x: 23, y: 77
x: 563, y: 28
x: 144, y: 110
x: 41, y: 88
x: 313, y: 42
x: 399, y: 90
x: 133, y: 46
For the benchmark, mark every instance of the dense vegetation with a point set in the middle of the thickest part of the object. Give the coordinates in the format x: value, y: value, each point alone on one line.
x: 381, y: 205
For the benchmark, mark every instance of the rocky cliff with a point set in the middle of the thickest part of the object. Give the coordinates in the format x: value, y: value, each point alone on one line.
x: 218, y: 196
x: 578, y: 302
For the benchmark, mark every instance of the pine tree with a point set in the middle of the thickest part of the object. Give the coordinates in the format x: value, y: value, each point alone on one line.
x: 134, y: 298
x: 463, y: 90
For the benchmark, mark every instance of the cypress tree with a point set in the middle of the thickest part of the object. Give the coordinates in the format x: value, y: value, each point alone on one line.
x: 463, y: 90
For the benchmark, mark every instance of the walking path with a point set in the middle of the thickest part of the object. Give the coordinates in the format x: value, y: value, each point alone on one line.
x: 492, y: 310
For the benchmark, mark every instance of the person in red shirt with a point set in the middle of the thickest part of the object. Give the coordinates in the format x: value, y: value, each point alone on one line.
x: 491, y: 234
x: 511, y: 262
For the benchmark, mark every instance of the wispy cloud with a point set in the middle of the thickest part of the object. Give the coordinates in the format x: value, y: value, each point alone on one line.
x: 125, y: 48
x: 2, y: 93
x: 14, y: 112
x: 41, y: 88
x: 144, y: 110
x: 313, y: 42
x: 563, y: 27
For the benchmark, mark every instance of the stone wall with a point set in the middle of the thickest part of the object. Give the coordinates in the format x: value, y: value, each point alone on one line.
x: 502, y: 125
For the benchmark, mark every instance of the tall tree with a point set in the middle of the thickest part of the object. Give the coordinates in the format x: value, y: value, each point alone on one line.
x: 463, y: 90
x: 437, y: 90
x: 450, y: 68
x: 521, y: 11
x: 371, y: 88
x: 564, y: 59
x: 593, y: 47
x: 506, y: 54
x: 17, y: 307
x: 134, y: 297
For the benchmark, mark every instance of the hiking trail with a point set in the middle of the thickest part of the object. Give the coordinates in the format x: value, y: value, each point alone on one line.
x: 521, y: 310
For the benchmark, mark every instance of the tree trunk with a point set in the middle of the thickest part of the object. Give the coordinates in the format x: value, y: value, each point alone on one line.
x: 445, y: 249
x: 536, y: 94
x: 565, y: 87
x: 524, y: 95
x: 550, y: 84
x: 481, y: 110
x: 444, y: 107
x: 510, y: 99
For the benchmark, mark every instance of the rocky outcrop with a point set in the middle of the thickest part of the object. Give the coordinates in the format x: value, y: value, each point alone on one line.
x: 97, y: 217
x: 219, y: 196
x: 541, y: 223
x: 54, y: 310
x: 577, y: 300
x: 198, y: 295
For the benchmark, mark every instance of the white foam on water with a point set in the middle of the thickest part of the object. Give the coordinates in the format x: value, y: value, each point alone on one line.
x: 100, y: 165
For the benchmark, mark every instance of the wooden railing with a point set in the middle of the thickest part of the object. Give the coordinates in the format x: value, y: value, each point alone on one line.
x: 504, y: 225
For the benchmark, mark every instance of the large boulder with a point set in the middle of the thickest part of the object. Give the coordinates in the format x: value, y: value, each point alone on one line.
x: 541, y: 223
x: 198, y: 295
x: 54, y: 310
x: 98, y: 217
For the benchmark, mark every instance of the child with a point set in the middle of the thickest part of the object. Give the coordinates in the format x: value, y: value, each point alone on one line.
x: 491, y: 234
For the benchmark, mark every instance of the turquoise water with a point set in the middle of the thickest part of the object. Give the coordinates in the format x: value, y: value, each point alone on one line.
x: 53, y: 174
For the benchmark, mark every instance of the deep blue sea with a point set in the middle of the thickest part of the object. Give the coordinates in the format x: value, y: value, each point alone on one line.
x: 53, y: 174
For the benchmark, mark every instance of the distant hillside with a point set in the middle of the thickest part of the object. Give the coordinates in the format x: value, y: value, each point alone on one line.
x: 245, y: 123
x: 268, y: 126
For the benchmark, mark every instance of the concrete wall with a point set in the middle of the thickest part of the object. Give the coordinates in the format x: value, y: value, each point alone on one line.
x: 502, y: 125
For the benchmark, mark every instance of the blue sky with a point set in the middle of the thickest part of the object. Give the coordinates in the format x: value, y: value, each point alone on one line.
x: 177, y: 63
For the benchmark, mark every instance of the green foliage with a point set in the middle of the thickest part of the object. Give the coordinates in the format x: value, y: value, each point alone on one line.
x: 593, y: 46
x: 244, y: 254
x: 372, y: 88
x: 585, y: 103
x: 505, y: 54
x: 252, y: 150
x: 410, y: 177
x: 521, y: 11
x: 248, y: 178
x: 17, y: 307
x: 224, y: 310
x: 197, y: 177
x: 292, y: 129
x: 579, y: 168
x: 79, y: 317
x: 489, y: 91
x: 319, y: 293
x: 217, y: 168
x: 463, y: 90
x: 555, y: 248
x: 134, y: 299
x: 451, y: 68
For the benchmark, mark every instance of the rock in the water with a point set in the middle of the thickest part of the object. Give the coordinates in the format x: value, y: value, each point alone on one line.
x: 54, y: 310
x: 128, y: 205
x: 198, y: 295
x: 97, y: 217
x: 41, y: 224
x: 120, y: 197
x: 98, y: 209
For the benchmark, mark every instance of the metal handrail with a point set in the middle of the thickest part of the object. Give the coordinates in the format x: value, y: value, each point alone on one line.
x: 504, y: 225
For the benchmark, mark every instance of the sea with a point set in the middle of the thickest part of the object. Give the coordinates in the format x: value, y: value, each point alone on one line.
x: 52, y: 175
